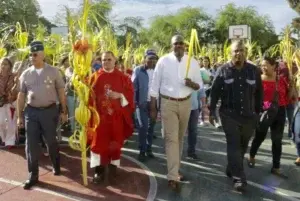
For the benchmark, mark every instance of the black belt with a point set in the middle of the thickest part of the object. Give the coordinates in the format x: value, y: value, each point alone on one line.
x: 42, y: 108
x: 175, y: 99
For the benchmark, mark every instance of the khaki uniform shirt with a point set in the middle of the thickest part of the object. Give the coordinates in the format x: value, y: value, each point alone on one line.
x: 41, y: 89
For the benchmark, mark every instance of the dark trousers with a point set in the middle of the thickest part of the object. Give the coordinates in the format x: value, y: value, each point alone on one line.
x: 37, y: 122
x: 277, y: 128
x: 296, y: 130
x: 193, y: 131
x: 145, y: 126
x: 289, y: 114
x: 237, y: 136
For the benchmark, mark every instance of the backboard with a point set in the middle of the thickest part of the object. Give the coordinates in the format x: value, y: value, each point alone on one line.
x: 239, y: 32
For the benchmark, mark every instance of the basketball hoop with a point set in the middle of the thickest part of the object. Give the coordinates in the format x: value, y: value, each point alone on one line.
x: 239, y: 32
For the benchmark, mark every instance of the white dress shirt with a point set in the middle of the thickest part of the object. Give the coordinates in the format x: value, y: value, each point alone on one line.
x: 169, y: 75
x: 150, y: 73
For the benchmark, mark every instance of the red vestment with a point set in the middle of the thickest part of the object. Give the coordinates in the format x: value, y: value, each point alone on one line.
x: 116, y: 123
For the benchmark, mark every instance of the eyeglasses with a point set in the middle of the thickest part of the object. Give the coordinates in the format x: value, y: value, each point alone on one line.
x: 33, y: 55
x: 178, y: 43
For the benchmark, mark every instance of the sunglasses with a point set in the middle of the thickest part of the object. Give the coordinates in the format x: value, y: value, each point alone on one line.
x: 178, y: 43
x: 33, y: 55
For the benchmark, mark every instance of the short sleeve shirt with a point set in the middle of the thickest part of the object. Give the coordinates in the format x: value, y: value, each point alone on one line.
x: 41, y: 88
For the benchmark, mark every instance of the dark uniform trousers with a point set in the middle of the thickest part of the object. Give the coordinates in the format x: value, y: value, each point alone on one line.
x: 238, y: 134
x: 40, y: 121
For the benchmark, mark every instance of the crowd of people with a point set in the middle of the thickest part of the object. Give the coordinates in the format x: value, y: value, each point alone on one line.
x: 240, y: 98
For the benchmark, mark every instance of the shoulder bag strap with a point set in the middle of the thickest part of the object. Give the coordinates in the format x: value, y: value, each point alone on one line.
x: 276, y: 94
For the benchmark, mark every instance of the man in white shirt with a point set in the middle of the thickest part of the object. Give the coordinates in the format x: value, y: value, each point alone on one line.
x: 174, y: 88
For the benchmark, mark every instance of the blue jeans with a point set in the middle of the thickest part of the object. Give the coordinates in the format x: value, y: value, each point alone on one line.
x: 145, y: 126
x: 289, y: 113
x: 71, y: 107
x: 297, y: 131
x: 193, y: 131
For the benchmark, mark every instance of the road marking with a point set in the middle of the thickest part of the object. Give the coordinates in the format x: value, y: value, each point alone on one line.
x: 153, y: 183
x: 272, y: 190
x: 150, y: 197
x: 62, y: 195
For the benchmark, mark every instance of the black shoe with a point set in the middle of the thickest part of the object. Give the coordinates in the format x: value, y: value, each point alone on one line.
x: 239, y: 185
x: 56, y: 171
x: 251, y: 162
x: 30, y: 183
x: 99, y: 176
x: 149, y: 153
x: 192, y: 156
x: 142, y: 157
x: 181, y: 177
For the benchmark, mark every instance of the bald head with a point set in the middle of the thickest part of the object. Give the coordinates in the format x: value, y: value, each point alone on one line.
x: 238, y: 44
x: 177, y: 39
x: 177, y: 42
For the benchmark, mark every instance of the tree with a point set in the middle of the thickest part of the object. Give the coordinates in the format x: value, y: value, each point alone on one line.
x: 24, y: 11
x: 262, y: 29
x: 162, y: 28
x: 44, y: 21
x: 295, y: 5
x: 100, y: 12
x: 130, y: 25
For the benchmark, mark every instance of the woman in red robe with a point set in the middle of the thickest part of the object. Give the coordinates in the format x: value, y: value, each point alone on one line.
x: 114, y: 103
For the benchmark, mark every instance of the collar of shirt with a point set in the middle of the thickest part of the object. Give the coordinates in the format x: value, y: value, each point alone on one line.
x: 108, y: 71
x: 231, y: 64
x: 32, y: 68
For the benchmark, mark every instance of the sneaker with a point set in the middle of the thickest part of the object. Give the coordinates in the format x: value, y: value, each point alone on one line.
x: 239, y: 186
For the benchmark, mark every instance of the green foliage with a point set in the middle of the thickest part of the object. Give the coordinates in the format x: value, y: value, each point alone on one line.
x: 262, y: 29
x: 295, y: 5
x: 22, y: 11
x: 162, y: 28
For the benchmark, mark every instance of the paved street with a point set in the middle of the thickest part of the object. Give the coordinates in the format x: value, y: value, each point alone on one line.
x: 207, y: 180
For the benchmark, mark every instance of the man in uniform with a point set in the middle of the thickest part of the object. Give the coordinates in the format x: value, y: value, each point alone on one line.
x: 238, y: 84
x: 39, y: 86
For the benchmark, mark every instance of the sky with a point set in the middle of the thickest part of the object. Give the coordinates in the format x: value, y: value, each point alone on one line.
x: 279, y: 11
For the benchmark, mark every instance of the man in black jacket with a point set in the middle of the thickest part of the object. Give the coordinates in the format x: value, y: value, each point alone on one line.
x: 238, y: 84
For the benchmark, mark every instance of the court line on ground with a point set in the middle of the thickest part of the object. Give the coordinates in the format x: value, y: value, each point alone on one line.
x: 272, y: 190
x: 62, y: 195
x: 153, y: 183
x: 150, y: 197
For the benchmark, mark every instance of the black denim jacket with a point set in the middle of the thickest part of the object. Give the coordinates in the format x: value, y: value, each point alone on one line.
x: 240, y: 91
